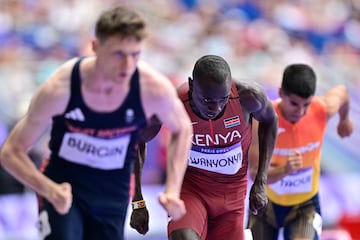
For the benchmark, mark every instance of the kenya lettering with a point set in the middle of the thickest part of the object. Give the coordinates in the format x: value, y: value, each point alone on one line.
x: 219, y: 139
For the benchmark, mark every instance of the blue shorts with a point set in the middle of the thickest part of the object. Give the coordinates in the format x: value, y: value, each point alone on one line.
x: 100, y: 203
x: 301, y: 221
x: 78, y: 224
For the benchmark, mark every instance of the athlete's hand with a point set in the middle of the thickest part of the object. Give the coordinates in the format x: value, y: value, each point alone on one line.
x: 174, y: 206
x: 294, y: 163
x: 345, y: 128
x: 258, y: 198
x: 139, y: 220
x: 61, y: 197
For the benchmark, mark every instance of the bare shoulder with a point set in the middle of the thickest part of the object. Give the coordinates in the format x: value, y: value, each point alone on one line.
x: 153, y: 77
x: 321, y: 100
x: 334, y: 98
x: 54, y: 94
x: 252, y: 96
x: 60, y: 78
x: 155, y: 85
x: 156, y: 90
x: 255, y: 102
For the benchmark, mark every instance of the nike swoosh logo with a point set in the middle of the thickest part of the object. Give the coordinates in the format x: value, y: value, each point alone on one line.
x: 280, y: 130
x: 193, y: 123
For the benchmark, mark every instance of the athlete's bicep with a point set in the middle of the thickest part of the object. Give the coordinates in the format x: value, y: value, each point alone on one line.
x: 255, y: 102
x: 173, y: 114
x: 261, y: 108
x: 334, y: 99
x: 160, y: 98
x: 49, y: 101
x: 25, y: 133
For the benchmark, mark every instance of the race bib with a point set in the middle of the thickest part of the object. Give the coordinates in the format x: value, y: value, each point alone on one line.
x: 221, y: 160
x: 300, y: 182
x: 98, y: 153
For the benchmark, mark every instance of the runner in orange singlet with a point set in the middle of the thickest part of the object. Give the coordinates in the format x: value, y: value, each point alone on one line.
x: 294, y: 172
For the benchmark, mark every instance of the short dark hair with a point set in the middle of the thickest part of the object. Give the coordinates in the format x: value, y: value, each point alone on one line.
x: 211, y: 67
x: 120, y: 21
x: 299, y: 79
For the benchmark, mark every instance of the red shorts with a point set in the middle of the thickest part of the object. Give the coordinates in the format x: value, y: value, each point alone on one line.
x: 214, y: 210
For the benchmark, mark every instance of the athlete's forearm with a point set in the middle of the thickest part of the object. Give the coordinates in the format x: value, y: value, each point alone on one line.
x: 267, y: 137
x: 19, y: 165
x: 177, y: 161
x: 138, y: 168
x: 276, y: 173
x: 344, y: 106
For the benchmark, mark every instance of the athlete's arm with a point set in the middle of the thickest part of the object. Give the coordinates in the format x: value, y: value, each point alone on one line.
x: 50, y: 99
x: 260, y: 107
x: 264, y: 129
x: 337, y: 100
x: 179, y: 125
x: 161, y: 99
x: 139, y: 219
x: 253, y: 156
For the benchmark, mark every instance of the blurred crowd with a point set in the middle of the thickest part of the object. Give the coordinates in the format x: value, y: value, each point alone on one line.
x: 257, y: 37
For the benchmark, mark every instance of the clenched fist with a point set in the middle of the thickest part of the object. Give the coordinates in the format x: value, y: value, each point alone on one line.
x: 61, y: 197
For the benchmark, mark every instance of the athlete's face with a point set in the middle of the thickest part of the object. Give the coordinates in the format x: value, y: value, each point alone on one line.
x: 208, y: 98
x: 293, y: 107
x: 117, y: 57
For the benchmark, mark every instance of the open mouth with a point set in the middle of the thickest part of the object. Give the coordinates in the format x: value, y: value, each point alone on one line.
x: 211, y: 114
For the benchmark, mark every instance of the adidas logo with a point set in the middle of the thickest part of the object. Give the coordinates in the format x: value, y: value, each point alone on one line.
x: 75, y: 114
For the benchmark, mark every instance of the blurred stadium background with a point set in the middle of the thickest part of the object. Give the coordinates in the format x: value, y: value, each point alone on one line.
x: 257, y: 37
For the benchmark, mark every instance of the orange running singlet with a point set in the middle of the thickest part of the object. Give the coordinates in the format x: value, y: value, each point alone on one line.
x: 306, y: 137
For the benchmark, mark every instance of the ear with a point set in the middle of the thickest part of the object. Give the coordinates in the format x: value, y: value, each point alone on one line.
x: 281, y: 92
x: 95, y: 45
x: 191, y: 82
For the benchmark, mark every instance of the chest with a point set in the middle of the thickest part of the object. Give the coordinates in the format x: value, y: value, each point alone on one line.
x: 225, y: 131
x: 308, y: 131
x: 104, y: 101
